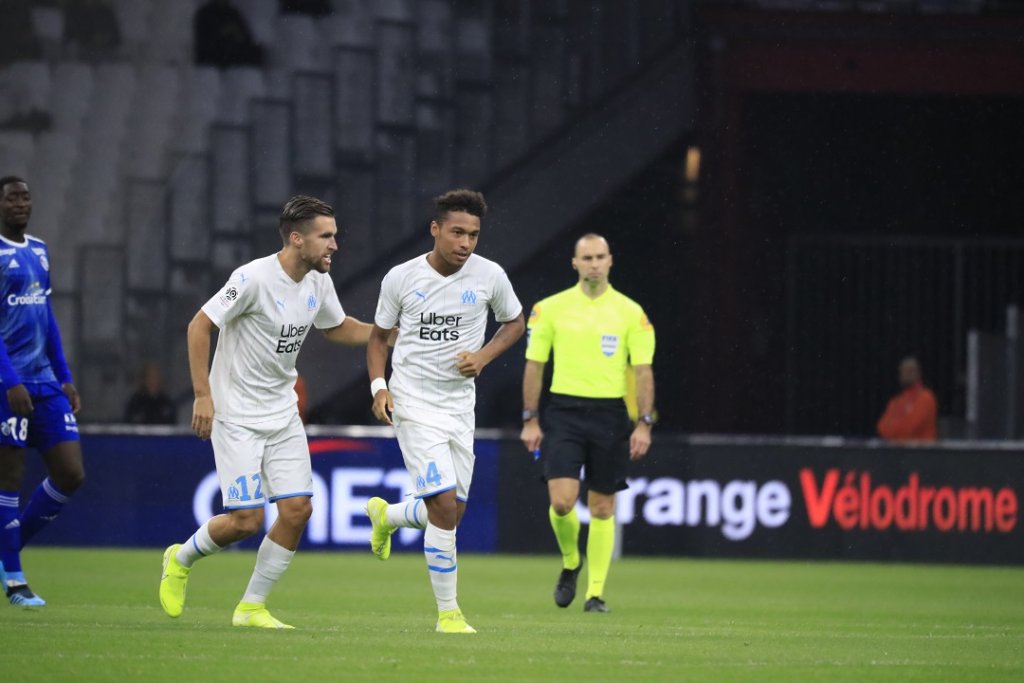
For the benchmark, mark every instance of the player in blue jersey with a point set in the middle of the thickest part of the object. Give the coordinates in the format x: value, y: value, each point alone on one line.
x: 39, y: 402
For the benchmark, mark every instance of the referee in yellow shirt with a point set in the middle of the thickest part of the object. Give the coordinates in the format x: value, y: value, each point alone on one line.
x: 597, y: 334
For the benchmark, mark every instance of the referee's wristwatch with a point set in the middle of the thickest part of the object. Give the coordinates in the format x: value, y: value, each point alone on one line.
x: 530, y: 415
x: 646, y: 419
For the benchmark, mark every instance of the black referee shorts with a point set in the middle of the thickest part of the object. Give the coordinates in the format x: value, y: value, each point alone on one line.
x: 590, y: 434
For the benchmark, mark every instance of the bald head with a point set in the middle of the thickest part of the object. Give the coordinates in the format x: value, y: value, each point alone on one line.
x: 592, y: 260
x: 910, y: 372
x: 591, y: 240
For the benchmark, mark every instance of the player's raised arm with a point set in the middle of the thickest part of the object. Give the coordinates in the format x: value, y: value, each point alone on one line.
x: 199, y: 332
x: 376, y: 364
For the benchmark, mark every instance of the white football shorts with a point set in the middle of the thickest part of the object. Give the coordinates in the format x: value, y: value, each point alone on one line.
x: 257, y: 463
x: 438, y: 450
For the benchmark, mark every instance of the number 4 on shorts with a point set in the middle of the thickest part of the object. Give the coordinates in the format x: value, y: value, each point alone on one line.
x: 433, y: 476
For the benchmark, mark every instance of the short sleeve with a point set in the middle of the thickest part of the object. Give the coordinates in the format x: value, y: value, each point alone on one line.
x: 330, y: 313
x: 389, y: 303
x: 540, y: 333
x: 641, y: 339
x: 233, y: 299
x: 504, y: 301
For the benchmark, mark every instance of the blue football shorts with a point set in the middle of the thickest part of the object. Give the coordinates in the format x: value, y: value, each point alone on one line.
x: 50, y: 423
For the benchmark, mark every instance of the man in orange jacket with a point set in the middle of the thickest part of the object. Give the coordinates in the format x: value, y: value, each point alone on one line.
x: 911, y: 414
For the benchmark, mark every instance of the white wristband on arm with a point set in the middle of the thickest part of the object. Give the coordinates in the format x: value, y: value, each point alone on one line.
x: 376, y: 385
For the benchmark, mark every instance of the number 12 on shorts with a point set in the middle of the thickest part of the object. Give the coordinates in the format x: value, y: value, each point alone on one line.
x: 244, y: 486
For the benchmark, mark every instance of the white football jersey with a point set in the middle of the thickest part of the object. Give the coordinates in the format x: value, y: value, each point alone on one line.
x: 264, y: 316
x: 438, y: 317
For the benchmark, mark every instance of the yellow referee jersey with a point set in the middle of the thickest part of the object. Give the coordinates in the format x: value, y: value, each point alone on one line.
x: 595, y: 341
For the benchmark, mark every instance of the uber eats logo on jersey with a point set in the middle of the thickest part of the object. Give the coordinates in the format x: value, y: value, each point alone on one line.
x: 291, y: 338
x: 437, y: 327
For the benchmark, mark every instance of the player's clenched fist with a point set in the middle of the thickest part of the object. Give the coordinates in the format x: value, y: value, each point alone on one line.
x: 202, y: 417
x: 383, y: 406
x: 469, y: 364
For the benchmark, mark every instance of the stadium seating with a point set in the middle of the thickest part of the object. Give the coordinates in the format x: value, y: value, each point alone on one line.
x: 97, y: 176
x: 17, y: 147
x: 152, y: 120
x: 296, y: 44
x: 239, y: 86
x: 197, y: 108
x: 378, y: 106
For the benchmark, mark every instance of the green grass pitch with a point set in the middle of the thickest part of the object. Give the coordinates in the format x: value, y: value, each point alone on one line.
x: 359, y: 619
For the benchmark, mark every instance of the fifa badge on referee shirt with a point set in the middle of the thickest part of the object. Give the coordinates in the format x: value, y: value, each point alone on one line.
x: 609, y: 344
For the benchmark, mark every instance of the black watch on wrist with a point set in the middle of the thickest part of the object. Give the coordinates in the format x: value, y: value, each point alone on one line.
x: 529, y: 415
x: 647, y: 420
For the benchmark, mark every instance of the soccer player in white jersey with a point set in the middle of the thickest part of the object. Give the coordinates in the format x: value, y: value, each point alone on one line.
x: 247, y: 404
x: 439, y: 301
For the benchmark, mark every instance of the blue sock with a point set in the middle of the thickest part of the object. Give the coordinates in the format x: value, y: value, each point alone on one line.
x: 43, y: 507
x: 10, y: 532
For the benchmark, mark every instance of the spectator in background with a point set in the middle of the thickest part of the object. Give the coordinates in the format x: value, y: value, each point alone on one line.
x: 150, y: 404
x: 911, y: 415
x: 17, y: 110
x: 222, y: 36
x: 91, y: 28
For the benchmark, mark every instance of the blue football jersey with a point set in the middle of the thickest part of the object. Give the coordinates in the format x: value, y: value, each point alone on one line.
x: 24, y: 300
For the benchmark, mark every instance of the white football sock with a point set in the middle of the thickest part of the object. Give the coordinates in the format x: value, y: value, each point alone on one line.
x: 271, y: 561
x: 411, y: 514
x: 198, y: 546
x: 439, y: 549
